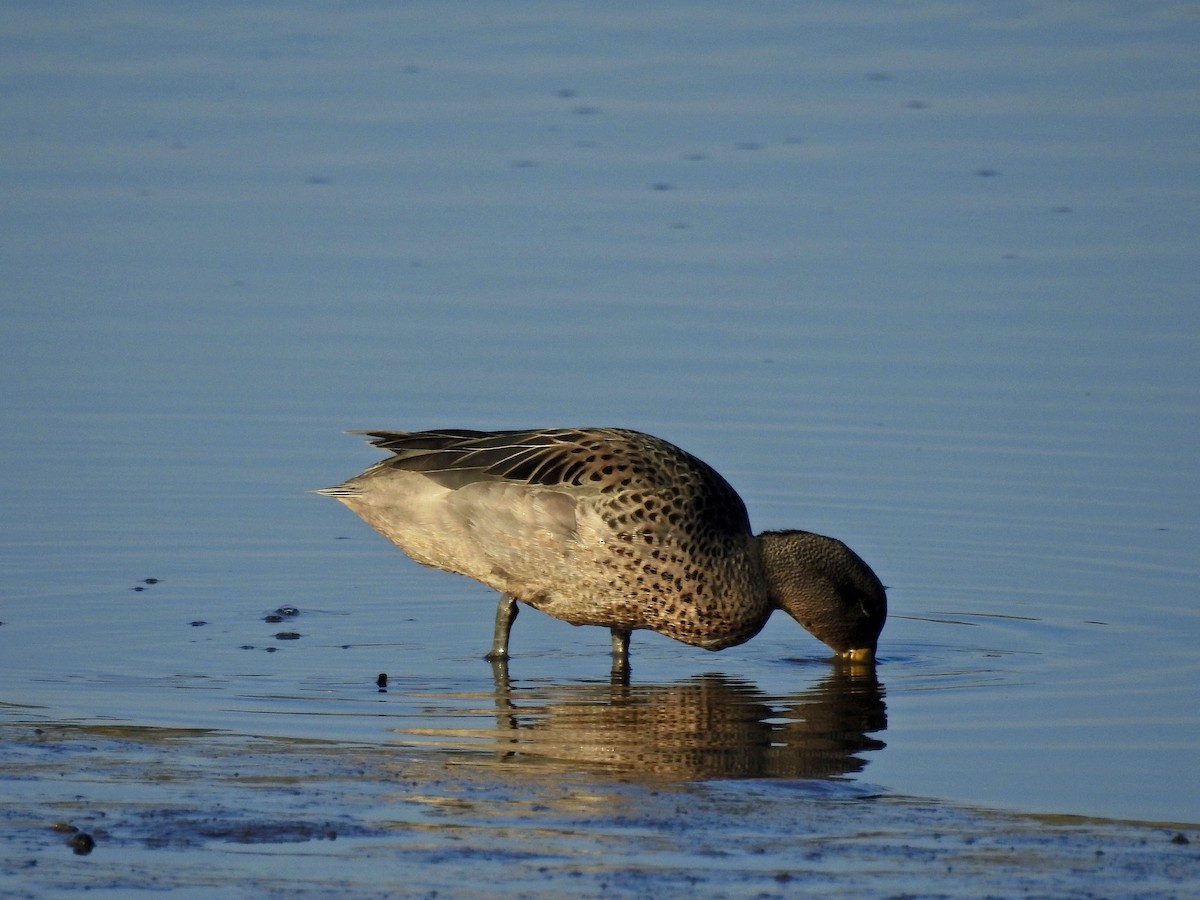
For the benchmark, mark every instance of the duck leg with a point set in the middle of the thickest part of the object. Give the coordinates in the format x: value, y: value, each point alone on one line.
x: 506, y: 614
x: 620, y: 651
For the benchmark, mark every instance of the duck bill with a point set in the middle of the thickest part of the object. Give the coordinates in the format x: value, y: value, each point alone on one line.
x: 860, y: 654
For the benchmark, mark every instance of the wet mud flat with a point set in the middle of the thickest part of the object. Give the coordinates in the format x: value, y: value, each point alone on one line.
x: 109, y: 810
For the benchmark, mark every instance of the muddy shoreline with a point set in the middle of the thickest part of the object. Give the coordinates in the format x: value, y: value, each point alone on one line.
x: 194, y: 811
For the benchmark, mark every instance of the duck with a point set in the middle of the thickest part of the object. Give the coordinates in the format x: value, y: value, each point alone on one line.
x: 609, y: 527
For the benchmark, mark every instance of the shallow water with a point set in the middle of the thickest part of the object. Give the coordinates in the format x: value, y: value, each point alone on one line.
x: 922, y: 279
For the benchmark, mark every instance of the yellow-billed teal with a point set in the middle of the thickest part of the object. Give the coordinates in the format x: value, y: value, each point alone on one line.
x: 605, y: 526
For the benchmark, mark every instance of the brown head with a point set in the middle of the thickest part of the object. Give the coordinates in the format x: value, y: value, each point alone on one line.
x: 827, y: 588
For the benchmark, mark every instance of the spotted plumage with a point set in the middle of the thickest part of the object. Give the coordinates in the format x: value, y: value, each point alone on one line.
x: 610, y: 527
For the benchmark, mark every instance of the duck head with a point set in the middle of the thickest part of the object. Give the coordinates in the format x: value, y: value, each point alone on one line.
x: 827, y: 588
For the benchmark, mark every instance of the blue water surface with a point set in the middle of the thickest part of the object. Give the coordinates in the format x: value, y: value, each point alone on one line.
x: 920, y: 276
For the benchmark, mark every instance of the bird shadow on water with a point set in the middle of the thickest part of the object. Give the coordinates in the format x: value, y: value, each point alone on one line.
x: 710, y: 726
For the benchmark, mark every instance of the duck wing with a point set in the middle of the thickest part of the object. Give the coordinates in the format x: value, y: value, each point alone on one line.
x: 560, y: 457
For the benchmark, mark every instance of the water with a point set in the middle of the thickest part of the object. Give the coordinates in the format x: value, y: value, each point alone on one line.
x: 921, y: 277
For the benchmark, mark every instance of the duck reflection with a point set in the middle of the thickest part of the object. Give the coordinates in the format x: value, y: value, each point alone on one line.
x: 706, y: 727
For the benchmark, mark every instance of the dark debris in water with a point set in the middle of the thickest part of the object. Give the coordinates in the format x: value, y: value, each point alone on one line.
x: 177, y: 829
